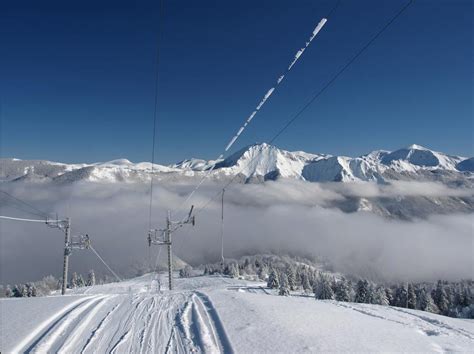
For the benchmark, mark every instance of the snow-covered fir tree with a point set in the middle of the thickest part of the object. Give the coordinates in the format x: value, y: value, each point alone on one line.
x: 262, y: 272
x: 362, y: 292
x: 17, y: 291
x: 389, y: 296
x: 273, y: 281
x: 342, y: 292
x: 441, y: 298
x: 91, y: 278
x: 74, y: 280
x: 232, y: 270
x: 305, y: 282
x: 80, y: 281
x: 401, y: 296
x: 291, y: 275
x: 324, y: 290
x: 411, y: 297
x: 284, y: 289
x: 8, y: 291
x: 31, y: 290
x: 185, y: 272
x: 24, y: 291
x: 425, y: 301
x: 380, y: 296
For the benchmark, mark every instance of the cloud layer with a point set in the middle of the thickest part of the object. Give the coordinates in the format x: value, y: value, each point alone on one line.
x: 285, y: 216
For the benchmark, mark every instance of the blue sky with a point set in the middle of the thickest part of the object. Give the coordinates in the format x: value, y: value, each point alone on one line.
x: 77, y: 78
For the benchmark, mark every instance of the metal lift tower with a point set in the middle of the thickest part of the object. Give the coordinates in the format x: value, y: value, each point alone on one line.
x: 162, y: 237
x: 76, y: 242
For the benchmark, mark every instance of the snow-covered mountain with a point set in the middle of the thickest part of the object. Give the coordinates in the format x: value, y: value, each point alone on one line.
x: 259, y: 162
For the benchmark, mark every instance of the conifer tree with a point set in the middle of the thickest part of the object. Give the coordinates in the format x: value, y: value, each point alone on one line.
x: 362, y: 292
x: 441, y: 298
x: 411, y: 297
x: 305, y: 283
x: 8, y: 291
x: 24, y: 290
x: 262, y: 272
x: 291, y: 275
x: 33, y: 291
x: 342, y: 292
x: 273, y: 281
x: 91, y: 278
x: 380, y: 296
x: 234, y: 271
x: 284, y: 289
x: 401, y: 296
x: 17, y: 291
x: 80, y: 281
x: 371, y: 294
x: 74, y: 280
x: 324, y: 291
x: 426, y: 302
x: 389, y: 296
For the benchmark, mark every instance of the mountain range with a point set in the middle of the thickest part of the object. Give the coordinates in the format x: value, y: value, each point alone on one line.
x: 258, y: 163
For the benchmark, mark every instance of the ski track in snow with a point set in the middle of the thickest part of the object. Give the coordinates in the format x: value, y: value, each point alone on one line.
x: 127, y: 317
x: 425, y: 325
x: 144, y: 322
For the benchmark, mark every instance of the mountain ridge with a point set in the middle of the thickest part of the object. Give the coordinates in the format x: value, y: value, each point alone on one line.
x: 257, y: 163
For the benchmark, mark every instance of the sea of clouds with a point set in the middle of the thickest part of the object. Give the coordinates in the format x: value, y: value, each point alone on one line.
x: 278, y: 217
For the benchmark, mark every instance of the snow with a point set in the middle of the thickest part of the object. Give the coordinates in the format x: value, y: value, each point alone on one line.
x: 302, y: 324
x: 263, y: 160
x: 420, y: 156
x: 23, y: 319
x: 218, y: 314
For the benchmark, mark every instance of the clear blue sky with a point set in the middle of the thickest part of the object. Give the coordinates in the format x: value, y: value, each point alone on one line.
x: 76, y: 78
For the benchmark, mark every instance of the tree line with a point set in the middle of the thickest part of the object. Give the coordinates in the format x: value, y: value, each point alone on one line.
x: 286, y: 275
x: 47, y: 285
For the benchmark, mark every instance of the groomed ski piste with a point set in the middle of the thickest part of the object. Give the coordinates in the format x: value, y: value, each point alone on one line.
x: 213, y: 314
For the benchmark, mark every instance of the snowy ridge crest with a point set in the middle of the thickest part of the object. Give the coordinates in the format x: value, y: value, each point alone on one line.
x: 258, y: 162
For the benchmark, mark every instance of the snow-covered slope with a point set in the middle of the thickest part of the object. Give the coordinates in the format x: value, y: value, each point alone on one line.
x: 266, y: 162
x: 420, y: 156
x: 259, y: 162
x: 215, y: 314
x: 120, y: 170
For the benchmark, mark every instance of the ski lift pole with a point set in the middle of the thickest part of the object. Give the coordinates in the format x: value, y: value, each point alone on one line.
x: 67, y: 252
x: 222, y: 229
x: 154, y: 238
x: 170, y: 255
